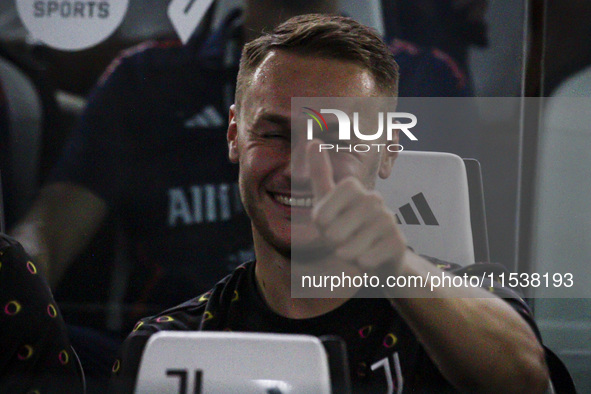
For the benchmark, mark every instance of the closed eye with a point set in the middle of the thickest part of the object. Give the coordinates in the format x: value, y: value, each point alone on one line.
x: 272, y: 135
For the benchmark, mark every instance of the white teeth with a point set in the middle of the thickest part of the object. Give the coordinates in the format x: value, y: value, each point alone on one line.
x: 294, y: 202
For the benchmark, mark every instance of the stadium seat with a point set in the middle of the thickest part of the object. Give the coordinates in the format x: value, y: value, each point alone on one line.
x: 25, y: 127
x: 561, y: 227
x: 35, y: 130
x: 2, y: 225
x: 240, y: 362
x: 430, y: 195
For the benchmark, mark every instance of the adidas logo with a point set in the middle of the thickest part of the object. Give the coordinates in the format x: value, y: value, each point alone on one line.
x: 207, y: 118
x: 422, y: 207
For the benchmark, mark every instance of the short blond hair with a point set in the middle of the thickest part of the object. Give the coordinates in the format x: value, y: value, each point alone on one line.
x: 328, y: 36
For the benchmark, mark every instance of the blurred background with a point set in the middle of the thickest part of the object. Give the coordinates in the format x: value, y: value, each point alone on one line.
x: 506, y: 48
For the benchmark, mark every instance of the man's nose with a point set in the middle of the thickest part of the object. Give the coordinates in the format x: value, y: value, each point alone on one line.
x: 299, y: 166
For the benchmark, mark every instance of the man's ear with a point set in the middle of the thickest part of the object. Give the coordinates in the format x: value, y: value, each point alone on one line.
x: 232, y: 135
x: 388, y: 158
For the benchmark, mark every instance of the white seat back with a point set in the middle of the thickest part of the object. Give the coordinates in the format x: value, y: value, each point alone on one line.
x: 229, y: 362
x: 428, y: 192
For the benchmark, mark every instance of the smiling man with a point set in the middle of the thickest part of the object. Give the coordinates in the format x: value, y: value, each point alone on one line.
x: 297, y: 198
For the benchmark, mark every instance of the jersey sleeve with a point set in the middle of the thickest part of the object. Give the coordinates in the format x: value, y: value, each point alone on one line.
x: 97, y: 153
x: 513, y: 296
x: 36, y: 353
x: 484, y: 272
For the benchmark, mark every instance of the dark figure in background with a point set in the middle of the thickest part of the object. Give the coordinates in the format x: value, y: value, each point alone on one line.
x: 4, y: 161
x: 36, y: 353
x: 323, y: 206
x: 452, y: 26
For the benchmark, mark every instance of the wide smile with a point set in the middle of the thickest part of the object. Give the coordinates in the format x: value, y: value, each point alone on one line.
x: 290, y: 201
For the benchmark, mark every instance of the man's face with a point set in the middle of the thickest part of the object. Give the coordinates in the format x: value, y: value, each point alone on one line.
x: 274, y: 172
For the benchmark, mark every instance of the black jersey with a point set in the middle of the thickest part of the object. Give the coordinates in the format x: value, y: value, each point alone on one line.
x: 36, y: 354
x: 382, y: 349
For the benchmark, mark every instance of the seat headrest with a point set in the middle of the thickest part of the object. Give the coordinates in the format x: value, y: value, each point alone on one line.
x: 233, y: 362
x: 428, y: 193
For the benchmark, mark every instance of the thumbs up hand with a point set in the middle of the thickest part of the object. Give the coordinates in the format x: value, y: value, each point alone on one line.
x: 351, y: 218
